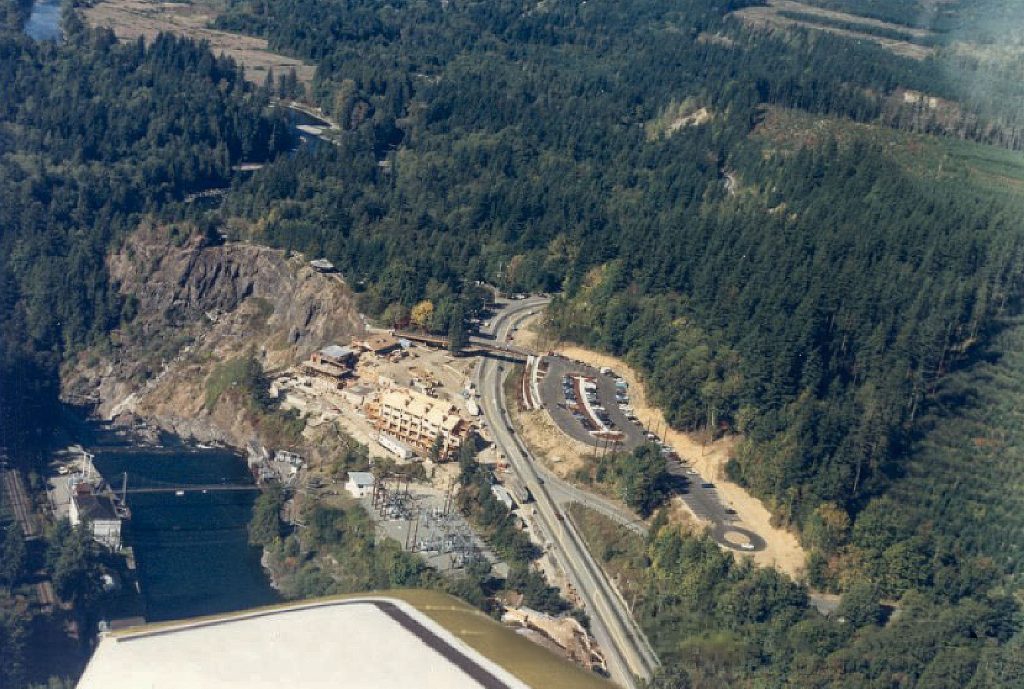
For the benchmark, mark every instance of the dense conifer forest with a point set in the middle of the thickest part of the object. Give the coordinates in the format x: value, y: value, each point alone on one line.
x: 855, y: 322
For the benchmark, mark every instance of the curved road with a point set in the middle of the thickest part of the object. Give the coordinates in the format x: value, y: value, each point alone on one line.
x: 627, y: 650
x: 700, y: 496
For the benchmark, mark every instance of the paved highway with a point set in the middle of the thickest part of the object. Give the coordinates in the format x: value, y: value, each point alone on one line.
x: 627, y: 651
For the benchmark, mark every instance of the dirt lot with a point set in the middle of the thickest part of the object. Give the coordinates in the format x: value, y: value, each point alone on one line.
x: 322, y: 407
x: 770, y: 16
x: 133, y: 18
x: 560, y: 453
x: 783, y: 550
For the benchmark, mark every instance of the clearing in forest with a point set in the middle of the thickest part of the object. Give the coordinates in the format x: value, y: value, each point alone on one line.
x: 784, y: 131
x: 130, y: 19
x: 901, y: 40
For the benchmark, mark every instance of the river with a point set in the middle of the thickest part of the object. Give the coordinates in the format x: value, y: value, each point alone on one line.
x: 192, y: 550
x: 44, y: 23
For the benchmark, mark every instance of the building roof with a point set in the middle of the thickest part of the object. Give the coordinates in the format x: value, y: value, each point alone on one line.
x: 337, y: 351
x: 360, y: 478
x: 322, y: 264
x: 377, y: 342
x: 92, y: 508
x: 401, y: 639
x: 442, y: 414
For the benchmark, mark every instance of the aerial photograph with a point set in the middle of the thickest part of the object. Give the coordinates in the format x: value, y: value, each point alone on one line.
x: 512, y: 344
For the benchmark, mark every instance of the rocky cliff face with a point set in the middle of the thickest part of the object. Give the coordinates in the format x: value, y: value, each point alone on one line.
x: 195, y: 306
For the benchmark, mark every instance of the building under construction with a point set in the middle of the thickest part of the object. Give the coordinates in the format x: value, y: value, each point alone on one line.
x: 424, y: 423
x: 331, y: 366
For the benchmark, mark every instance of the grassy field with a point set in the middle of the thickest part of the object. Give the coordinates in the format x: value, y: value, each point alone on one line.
x: 133, y: 18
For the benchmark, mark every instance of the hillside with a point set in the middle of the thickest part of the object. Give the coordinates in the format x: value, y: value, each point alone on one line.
x: 803, y: 265
x: 194, y: 306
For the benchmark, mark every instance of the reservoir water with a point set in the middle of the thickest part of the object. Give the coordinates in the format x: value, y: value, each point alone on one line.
x: 192, y: 550
x: 44, y: 23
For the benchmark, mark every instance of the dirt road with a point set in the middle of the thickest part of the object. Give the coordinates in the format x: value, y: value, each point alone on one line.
x: 782, y: 549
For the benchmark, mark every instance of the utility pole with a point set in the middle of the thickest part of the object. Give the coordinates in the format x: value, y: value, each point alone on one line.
x: 448, y: 497
x: 124, y: 489
x: 410, y: 539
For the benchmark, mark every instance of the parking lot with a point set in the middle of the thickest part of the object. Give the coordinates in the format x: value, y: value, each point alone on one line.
x: 590, y: 409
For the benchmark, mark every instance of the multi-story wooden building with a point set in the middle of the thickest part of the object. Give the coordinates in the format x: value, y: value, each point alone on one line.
x: 418, y: 421
x: 331, y: 365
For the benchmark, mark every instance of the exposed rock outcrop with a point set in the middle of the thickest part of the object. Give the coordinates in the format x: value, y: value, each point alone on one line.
x: 196, y: 305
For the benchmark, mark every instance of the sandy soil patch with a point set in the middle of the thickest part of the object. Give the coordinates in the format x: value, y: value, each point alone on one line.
x: 130, y: 19
x: 694, y: 119
x: 716, y: 39
x: 681, y: 517
x: 676, y: 116
x: 736, y: 537
x: 532, y: 334
x: 783, y: 550
x: 559, y: 453
x: 770, y: 16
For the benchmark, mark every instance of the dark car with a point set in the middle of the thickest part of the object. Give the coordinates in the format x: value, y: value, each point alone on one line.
x: 707, y: 485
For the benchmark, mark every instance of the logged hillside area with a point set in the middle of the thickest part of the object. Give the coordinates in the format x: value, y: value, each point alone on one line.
x: 194, y: 305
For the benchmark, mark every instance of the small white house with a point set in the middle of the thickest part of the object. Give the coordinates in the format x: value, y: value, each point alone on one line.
x: 502, y: 495
x: 98, y: 513
x: 359, y: 484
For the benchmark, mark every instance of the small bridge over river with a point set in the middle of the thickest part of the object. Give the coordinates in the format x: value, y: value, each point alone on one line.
x: 137, y: 485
